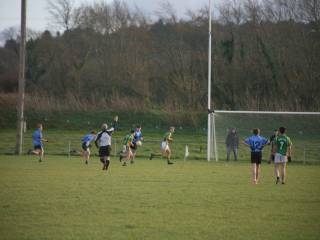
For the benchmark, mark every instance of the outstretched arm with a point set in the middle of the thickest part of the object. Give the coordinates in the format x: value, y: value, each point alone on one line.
x: 110, y: 130
x: 43, y: 139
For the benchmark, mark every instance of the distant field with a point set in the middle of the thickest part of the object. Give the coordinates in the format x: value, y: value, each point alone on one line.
x: 62, y: 198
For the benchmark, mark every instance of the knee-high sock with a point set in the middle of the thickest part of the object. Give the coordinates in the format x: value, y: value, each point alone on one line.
x: 107, y: 164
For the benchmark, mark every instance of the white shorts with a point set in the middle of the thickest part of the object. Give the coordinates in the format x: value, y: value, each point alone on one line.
x: 164, y: 146
x: 278, y: 158
x: 124, y: 148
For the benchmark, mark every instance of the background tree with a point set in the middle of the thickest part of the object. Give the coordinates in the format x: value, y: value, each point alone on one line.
x: 110, y: 55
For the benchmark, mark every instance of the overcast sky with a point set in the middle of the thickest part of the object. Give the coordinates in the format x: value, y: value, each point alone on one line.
x: 37, y: 13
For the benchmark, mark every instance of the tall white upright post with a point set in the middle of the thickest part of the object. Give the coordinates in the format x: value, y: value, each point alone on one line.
x: 209, y: 140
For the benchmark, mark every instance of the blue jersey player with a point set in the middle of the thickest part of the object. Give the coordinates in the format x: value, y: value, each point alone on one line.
x: 256, y: 143
x: 86, y: 140
x: 37, y: 141
x: 137, y: 138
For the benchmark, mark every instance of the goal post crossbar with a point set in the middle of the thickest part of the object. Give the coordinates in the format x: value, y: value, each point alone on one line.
x: 266, y: 112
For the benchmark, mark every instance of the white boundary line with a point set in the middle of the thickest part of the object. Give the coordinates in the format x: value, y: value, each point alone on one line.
x: 268, y: 112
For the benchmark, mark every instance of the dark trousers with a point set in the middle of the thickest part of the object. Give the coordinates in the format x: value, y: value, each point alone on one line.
x: 235, y: 152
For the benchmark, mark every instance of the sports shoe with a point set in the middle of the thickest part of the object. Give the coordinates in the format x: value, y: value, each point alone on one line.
x: 169, y: 162
x: 40, y: 160
x: 278, y: 180
x: 124, y: 164
x: 151, y: 156
x: 86, y: 162
x: 132, y: 162
x: 282, y: 182
x: 120, y: 158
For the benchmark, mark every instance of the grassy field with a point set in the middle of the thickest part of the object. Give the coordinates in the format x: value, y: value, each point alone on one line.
x: 63, y: 198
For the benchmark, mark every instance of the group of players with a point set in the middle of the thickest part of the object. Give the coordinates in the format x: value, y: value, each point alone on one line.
x: 130, y: 143
x: 281, y: 146
x: 103, y: 140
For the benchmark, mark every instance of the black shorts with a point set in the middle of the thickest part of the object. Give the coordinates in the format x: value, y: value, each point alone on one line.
x: 84, y: 146
x: 256, y: 157
x: 37, y: 147
x: 105, y: 151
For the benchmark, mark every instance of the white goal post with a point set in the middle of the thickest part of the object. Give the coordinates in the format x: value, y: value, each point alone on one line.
x: 212, y: 151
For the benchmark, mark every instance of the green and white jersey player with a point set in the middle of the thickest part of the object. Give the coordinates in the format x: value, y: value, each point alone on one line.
x: 126, y: 151
x: 282, y: 150
x: 165, y: 148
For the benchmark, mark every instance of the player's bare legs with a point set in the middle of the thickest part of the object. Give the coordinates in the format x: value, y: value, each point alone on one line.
x: 128, y: 157
x: 283, y: 172
x: 256, y: 169
x: 277, y: 172
x: 35, y: 152
x: 40, y: 153
x: 86, y: 155
x: 168, y: 155
x: 255, y: 172
x: 165, y: 152
x: 132, y: 158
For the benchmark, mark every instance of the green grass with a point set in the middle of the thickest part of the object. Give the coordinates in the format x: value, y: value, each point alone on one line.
x: 65, y: 199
